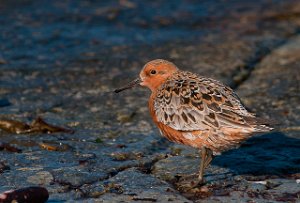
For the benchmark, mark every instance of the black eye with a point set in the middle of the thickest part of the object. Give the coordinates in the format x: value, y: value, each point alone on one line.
x: 153, y: 72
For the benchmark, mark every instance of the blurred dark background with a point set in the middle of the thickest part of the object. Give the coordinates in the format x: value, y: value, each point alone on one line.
x: 40, y: 33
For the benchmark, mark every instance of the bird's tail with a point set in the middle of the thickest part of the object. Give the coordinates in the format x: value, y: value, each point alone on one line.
x: 262, y: 128
x: 261, y: 124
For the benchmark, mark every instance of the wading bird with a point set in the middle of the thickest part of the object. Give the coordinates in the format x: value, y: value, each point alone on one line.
x: 197, y: 111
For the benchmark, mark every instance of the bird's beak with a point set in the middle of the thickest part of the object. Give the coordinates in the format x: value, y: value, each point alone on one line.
x: 130, y: 85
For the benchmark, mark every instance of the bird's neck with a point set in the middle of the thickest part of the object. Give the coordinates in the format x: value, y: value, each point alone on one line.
x: 151, y: 105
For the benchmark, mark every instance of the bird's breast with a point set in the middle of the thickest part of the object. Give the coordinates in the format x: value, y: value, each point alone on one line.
x: 170, y: 133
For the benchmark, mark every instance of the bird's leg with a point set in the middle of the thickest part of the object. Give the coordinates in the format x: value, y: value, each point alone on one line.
x: 209, y: 157
x: 206, y: 158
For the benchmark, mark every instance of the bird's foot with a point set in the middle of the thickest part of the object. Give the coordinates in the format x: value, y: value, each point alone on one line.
x: 189, y: 183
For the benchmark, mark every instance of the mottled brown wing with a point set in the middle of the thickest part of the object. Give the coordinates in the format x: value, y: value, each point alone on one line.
x: 189, y: 102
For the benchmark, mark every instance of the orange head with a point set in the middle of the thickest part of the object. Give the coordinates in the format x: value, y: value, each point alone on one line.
x: 153, y: 74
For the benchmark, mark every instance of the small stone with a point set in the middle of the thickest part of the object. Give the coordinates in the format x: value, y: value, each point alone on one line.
x: 3, y: 166
x: 28, y: 194
x: 41, y: 178
x: 255, y: 187
x: 125, y: 117
x: 261, y: 182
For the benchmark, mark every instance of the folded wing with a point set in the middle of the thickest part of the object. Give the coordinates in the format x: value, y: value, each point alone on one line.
x: 188, y: 102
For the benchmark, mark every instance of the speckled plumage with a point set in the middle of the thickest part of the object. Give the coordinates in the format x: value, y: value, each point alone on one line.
x: 197, y: 111
x: 196, y: 105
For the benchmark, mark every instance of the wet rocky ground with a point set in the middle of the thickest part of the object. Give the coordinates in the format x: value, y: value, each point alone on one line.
x: 60, y: 60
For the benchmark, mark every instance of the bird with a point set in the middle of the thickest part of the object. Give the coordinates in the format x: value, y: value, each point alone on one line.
x: 197, y: 111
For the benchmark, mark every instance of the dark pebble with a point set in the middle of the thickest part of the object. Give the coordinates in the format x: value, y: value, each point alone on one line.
x: 25, y: 195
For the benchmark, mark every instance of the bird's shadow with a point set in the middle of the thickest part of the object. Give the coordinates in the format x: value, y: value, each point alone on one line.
x: 268, y: 154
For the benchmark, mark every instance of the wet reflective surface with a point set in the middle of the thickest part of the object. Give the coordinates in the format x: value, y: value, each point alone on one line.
x: 62, y: 60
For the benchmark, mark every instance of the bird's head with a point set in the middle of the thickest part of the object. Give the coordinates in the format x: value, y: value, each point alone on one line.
x: 153, y: 74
